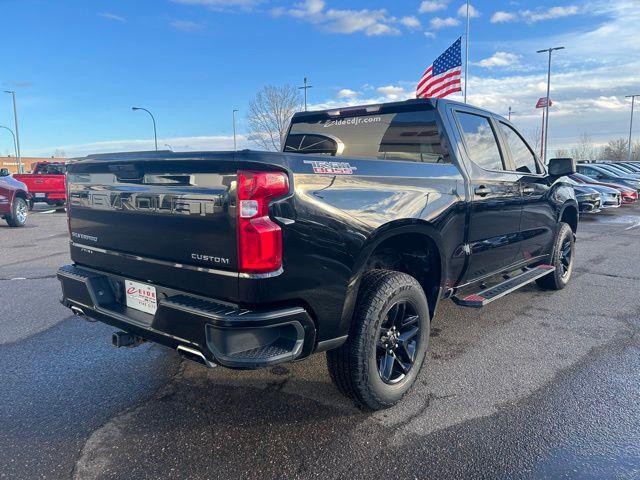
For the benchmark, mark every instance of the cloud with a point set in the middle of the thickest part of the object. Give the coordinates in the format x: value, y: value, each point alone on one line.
x: 388, y: 93
x: 549, y: 14
x: 393, y: 92
x: 503, y: 17
x: 222, y: 4
x: 369, y: 22
x: 113, y: 16
x: 186, y: 25
x: 473, y: 12
x: 429, y: 6
x: 213, y: 142
x: 438, y: 23
x: 429, y: 34
x: 411, y: 22
x: 533, y: 16
x: 499, y: 59
x: 347, y: 93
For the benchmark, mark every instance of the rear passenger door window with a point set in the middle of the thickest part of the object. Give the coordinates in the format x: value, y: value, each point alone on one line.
x: 480, y: 141
x: 523, y: 158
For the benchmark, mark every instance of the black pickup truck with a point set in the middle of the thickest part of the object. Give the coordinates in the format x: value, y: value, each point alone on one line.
x: 345, y: 242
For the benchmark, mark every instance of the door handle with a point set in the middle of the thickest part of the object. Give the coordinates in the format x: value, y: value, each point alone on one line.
x: 528, y: 190
x: 482, y: 191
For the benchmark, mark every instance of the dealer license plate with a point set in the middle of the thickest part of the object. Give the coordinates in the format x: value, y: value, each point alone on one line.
x: 141, y: 296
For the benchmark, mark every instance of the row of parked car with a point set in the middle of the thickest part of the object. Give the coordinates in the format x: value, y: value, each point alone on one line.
x: 601, y: 185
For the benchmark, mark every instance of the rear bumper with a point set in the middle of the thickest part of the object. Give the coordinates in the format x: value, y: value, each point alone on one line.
x: 49, y: 197
x: 223, y: 333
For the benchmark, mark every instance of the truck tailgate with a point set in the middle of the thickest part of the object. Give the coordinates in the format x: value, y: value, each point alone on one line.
x: 43, y: 183
x: 166, y: 221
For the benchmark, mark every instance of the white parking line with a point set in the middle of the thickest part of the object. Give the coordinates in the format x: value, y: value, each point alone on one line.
x: 637, y: 224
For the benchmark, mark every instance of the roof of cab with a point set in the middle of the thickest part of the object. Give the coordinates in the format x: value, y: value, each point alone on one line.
x: 411, y: 104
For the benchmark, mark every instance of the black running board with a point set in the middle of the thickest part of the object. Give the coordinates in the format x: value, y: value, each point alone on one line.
x: 482, y: 298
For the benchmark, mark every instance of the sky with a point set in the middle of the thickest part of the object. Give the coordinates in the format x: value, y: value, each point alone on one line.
x: 79, y: 66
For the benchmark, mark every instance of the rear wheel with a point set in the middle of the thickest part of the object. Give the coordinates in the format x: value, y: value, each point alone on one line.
x: 387, y: 342
x: 562, y: 259
x: 19, y: 210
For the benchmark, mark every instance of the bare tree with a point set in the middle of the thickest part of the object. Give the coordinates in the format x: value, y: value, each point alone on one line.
x: 635, y: 151
x: 616, y: 150
x: 270, y: 113
x: 585, y: 150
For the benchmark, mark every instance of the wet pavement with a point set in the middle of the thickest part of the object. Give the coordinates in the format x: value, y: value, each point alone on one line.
x: 535, y: 385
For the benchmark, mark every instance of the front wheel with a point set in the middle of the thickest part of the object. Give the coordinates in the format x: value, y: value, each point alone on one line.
x: 562, y: 258
x: 18, y: 216
x: 387, y: 342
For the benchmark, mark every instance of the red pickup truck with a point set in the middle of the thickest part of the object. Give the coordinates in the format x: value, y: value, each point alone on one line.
x: 46, y: 183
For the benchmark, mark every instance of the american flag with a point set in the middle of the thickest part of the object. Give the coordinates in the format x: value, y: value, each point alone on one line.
x: 443, y: 76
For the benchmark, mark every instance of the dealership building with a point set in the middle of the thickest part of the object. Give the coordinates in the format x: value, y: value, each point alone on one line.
x: 11, y: 163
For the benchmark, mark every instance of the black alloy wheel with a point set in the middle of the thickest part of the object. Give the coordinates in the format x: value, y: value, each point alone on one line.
x: 562, y: 259
x: 398, y: 342
x: 387, y: 343
x: 566, y: 257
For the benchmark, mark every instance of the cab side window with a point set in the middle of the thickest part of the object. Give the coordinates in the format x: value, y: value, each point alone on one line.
x: 522, y: 156
x: 480, y: 140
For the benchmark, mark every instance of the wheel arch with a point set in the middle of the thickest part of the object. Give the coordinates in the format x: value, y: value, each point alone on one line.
x: 569, y: 213
x: 411, y: 234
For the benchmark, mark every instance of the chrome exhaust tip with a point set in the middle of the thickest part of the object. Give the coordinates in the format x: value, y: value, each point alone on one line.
x: 78, y: 312
x: 194, y: 355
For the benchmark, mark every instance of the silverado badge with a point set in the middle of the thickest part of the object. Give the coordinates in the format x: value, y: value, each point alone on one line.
x: 332, y: 168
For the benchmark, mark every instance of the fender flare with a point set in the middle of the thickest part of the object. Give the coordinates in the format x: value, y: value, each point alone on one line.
x: 385, y: 232
x: 569, y: 203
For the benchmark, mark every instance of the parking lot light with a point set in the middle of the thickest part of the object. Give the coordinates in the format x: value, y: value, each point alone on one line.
x: 633, y: 101
x: 546, y: 124
x: 17, y: 135
x: 15, y: 145
x: 155, y: 135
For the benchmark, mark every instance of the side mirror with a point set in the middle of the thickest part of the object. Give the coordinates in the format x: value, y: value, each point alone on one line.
x: 4, y: 172
x: 562, y: 166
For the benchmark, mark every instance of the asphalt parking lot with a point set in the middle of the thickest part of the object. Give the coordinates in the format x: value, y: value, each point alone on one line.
x: 535, y: 385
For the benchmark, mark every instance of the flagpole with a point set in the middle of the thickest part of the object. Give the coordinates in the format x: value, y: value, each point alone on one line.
x: 466, y: 55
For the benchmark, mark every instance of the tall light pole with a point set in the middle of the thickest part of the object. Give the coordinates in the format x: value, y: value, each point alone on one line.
x: 466, y: 54
x: 633, y: 101
x: 510, y: 112
x: 155, y: 134
x: 17, y: 135
x: 305, y: 87
x: 235, y: 145
x: 546, y: 124
x: 15, y: 145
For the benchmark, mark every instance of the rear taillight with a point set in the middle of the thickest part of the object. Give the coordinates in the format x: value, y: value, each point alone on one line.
x: 259, y: 238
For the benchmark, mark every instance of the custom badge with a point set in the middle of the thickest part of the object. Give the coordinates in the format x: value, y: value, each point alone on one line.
x: 331, y: 168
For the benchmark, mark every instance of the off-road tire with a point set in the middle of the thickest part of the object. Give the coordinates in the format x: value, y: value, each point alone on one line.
x: 353, y: 366
x: 18, y: 217
x: 559, y: 278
